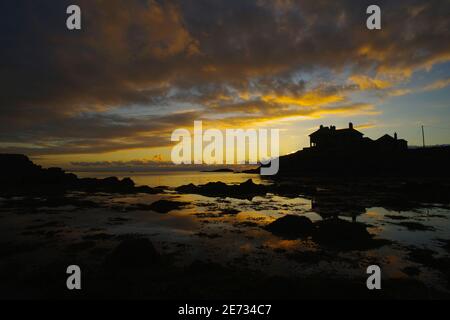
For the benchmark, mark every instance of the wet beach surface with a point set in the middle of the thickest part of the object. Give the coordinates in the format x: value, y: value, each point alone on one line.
x: 216, y: 247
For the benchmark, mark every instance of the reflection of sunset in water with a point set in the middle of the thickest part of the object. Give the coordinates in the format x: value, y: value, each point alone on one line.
x: 232, y: 231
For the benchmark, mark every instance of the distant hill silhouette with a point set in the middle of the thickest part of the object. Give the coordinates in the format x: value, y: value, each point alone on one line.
x: 346, y: 152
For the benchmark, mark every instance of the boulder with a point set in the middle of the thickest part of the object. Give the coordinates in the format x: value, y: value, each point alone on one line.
x: 133, y: 253
x: 164, y: 206
x: 19, y: 175
x: 342, y: 234
x: 245, y: 190
x: 291, y: 227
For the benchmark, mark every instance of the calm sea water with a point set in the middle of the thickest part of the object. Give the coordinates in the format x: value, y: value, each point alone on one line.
x: 204, y: 230
x: 176, y: 178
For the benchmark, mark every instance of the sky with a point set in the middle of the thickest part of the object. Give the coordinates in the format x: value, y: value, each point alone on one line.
x: 113, y: 92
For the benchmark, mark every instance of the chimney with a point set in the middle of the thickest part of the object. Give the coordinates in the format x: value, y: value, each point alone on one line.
x: 321, y: 126
x: 350, y: 125
x: 395, y: 135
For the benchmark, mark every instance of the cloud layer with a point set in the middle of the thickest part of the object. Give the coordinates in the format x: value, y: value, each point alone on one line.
x: 138, y: 69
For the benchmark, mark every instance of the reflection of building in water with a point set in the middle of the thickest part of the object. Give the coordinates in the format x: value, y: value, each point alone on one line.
x: 328, y: 138
x: 328, y: 207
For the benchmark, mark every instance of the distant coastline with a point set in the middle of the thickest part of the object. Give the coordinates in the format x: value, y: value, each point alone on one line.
x: 219, y: 170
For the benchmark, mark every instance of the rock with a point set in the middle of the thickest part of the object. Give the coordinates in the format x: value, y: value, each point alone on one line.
x: 445, y: 243
x: 230, y: 211
x: 411, y: 271
x: 215, y: 188
x: 189, y: 188
x: 79, y: 246
x: 19, y: 175
x: 98, y: 236
x: 147, y: 189
x: 291, y: 227
x: 208, y: 235
x: 164, y: 206
x: 342, y: 234
x: 132, y: 253
x: 245, y: 190
x: 110, y: 184
x: 432, y: 260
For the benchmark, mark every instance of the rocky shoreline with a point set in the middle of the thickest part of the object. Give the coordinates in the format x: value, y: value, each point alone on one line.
x: 142, y: 242
x: 20, y: 176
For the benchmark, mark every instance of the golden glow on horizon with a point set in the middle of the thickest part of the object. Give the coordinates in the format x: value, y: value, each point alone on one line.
x: 312, y: 98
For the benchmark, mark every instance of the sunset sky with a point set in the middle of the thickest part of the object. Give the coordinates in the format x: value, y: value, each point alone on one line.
x: 139, y: 69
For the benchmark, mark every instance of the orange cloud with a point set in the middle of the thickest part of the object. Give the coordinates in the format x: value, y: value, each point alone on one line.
x: 439, y: 84
x: 367, y: 83
x: 436, y: 85
x: 313, y: 98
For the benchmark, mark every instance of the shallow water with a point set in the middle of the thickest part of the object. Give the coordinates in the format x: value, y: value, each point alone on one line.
x: 205, y: 230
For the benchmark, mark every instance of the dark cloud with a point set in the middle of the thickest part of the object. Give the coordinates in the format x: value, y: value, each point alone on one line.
x: 58, y: 87
x: 94, y: 133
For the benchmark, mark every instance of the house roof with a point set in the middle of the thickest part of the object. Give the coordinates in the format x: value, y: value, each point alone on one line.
x: 327, y: 130
x: 386, y: 137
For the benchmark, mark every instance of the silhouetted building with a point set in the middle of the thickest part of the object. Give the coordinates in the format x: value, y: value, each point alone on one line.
x: 330, y: 138
x: 390, y: 143
x: 348, y: 154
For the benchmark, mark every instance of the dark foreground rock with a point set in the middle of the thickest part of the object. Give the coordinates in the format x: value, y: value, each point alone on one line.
x: 431, y: 260
x: 19, y: 176
x: 344, y: 235
x: 112, y: 185
x: 245, y: 190
x: 165, y: 206
x: 132, y: 253
x: 291, y: 227
x: 332, y: 233
x: 204, y: 281
x: 445, y: 244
